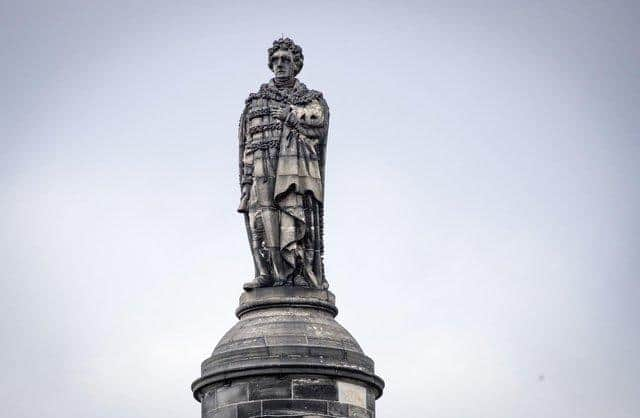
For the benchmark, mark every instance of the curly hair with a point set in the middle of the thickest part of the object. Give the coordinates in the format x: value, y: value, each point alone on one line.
x: 288, y: 45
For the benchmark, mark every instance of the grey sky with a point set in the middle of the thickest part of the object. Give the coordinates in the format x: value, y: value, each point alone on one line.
x: 482, y: 199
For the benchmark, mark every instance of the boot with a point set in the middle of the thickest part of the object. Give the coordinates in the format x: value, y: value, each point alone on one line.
x: 264, y: 278
x: 260, y: 281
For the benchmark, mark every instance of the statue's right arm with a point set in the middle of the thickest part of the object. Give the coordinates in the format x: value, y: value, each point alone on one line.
x: 245, y: 158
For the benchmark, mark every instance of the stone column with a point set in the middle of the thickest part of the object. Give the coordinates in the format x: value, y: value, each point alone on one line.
x: 287, y: 357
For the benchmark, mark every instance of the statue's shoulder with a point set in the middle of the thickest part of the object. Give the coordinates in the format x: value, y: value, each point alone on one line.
x: 317, y: 96
x: 306, y: 92
x: 300, y: 95
x: 305, y: 95
x: 261, y: 93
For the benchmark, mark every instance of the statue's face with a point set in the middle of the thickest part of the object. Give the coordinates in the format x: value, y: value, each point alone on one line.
x: 282, y: 64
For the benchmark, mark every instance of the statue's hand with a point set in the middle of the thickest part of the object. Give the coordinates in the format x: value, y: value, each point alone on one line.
x: 280, y: 113
x: 244, y: 200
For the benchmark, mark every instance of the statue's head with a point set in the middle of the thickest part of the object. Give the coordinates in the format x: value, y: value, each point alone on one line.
x: 285, y: 58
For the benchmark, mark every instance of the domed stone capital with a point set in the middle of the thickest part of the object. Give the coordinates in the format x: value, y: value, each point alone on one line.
x: 287, y: 331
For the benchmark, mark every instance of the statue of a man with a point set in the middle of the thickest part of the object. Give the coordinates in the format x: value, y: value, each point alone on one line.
x: 283, y: 137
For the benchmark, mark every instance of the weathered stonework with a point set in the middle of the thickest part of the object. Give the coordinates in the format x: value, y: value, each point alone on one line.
x: 287, y: 356
x: 305, y: 395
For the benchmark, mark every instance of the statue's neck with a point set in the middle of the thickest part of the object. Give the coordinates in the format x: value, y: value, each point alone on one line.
x: 286, y: 83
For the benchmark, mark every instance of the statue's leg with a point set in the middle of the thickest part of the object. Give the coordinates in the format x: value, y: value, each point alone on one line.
x: 271, y: 221
x: 258, y: 246
x: 252, y: 246
x: 264, y: 276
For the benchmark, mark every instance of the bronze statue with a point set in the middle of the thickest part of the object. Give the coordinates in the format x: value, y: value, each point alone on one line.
x: 283, y: 137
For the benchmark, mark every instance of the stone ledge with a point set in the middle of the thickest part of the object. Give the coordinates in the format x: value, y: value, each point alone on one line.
x: 286, y: 296
x: 368, y: 379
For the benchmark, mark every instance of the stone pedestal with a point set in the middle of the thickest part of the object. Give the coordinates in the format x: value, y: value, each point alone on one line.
x: 287, y: 357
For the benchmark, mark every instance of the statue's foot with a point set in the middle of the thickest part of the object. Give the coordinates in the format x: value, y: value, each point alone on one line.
x: 260, y: 281
x: 300, y: 281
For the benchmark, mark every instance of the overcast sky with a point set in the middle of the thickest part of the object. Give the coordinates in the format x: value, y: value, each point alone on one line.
x: 482, y: 199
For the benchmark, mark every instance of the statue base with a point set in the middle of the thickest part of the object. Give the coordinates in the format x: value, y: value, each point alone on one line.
x: 287, y: 356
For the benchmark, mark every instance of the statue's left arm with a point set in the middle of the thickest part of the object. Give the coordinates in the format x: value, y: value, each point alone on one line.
x: 311, y: 120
